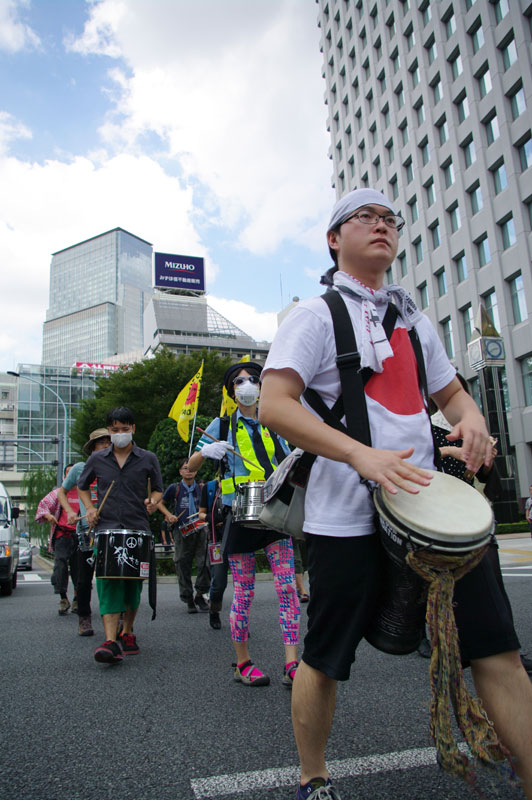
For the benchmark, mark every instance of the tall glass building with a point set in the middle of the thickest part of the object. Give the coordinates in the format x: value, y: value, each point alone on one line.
x: 430, y: 102
x: 99, y: 289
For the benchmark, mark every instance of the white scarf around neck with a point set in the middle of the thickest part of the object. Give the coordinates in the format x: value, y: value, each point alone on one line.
x: 375, y: 347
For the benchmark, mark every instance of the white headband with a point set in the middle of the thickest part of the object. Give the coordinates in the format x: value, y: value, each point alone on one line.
x: 356, y: 199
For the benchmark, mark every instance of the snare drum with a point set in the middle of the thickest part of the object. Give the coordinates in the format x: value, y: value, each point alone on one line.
x: 448, y: 517
x: 247, y: 504
x: 123, y: 554
x: 192, y: 527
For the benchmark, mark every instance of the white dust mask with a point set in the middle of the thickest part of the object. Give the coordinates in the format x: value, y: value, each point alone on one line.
x: 247, y: 393
x: 121, y: 439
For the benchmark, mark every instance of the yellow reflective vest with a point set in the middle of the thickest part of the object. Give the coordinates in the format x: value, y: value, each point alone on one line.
x: 244, y: 446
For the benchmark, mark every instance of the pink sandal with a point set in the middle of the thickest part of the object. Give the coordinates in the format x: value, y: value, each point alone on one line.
x: 248, y: 674
x: 289, y: 672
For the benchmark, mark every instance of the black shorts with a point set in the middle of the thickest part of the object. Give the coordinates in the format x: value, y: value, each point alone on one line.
x: 345, y: 580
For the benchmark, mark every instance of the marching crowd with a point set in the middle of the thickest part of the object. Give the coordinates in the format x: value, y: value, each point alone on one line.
x: 395, y: 369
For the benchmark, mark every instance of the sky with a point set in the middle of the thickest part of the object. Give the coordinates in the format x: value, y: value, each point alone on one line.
x: 198, y: 125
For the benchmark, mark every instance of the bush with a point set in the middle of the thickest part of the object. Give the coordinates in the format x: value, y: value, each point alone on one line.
x: 512, y: 527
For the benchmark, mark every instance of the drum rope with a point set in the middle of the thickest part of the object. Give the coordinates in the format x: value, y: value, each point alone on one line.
x: 448, y: 687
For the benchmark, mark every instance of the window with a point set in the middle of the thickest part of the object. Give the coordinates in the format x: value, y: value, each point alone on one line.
x: 423, y: 295
x: 358, y: 115
x: 526, y: 373
x: 378, y: 168
x: 447, y: 331
x: 437, y: 93
x: 420, y: 111
x: 391, y: 27
x: 442, y: 282
x: 386, y: 115
x: 365, y: 180
x: 431, y: 193
x: 491, y: 125
x: 475, y: 196
x: 443, y: 130
x: 435, y: 231
x: 362, y: 148
x: 390, y: 151
x: 402, y: 263
x: 426, y: 13
x: 414, y: 72
x: 351, y: 163
x: 483, y: 250
x: 403, y: 127
x: 492, y: 307
x: 517, y: 294
x: 399, y: 93
x: 518, y: 102
x: 468, y: 146
x: 425, y: 151
x: 525, y: 153
x: 477, y: 35
x: 468, y: 322
x: 450, y: 24
x: 410, y: 38
x: 456, y: 64
x: 509, y: 52
x: 409, y: 170
x: 349, y: 134
x: 394, y: 187
x: 369, y: 99
x: 448, y: 173
x: 507, y: 227
x: 462, y: 107
x: 418, y: 250
x: 373, y: 131
x: 396, y: 63
x: 382, y: 82
x: 414, y: 211
x: 430, y: 47
x: 501, y: 9
x: 454, y: 217
x: 500, y: 181
x: 389, y: 276
x: 461, y: 266
x: 484, y: 82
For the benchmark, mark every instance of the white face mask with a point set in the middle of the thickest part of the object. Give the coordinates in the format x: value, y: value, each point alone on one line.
x: 247, y: 393
x: 121, y: 439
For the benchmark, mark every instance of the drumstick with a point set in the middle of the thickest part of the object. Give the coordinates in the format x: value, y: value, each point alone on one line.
x: 231, y: 449
x: 106, y: 495
x: 149, y: 489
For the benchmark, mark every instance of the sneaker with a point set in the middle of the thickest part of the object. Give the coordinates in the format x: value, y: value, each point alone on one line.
x: 248, y: 674
x: 527, y: 663
x: 289, y: 672
x: 200, y: 602
x: 317, y: 789
x: 64, y: 605
x: 129, y: 644
x: 74, y: 608
x: 424, y: 648
x: 108, y: 653
x: 214, y: 620
x: 85, y: 627
x: 191, y: 607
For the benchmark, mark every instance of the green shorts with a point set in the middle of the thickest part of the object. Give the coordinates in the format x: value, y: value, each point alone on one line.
x: 118, y: 594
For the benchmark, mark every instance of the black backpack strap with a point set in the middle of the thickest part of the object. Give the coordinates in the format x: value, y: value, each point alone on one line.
x: 278, y: 450
x: 418, y: 352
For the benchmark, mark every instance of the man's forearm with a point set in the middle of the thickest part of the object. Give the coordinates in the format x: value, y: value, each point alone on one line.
x: 195, y: 461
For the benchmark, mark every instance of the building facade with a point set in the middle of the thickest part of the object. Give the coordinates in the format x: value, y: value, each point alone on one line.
x: 187, y: 324
x: 99, y: 290
x: 431, y: 103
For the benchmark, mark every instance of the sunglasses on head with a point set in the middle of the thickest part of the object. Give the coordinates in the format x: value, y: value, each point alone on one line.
x: 242, y: 379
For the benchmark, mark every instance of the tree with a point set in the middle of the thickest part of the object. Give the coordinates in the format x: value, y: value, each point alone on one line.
x: 149, y: 388
x: 170, y: 448
x: 36, y: 485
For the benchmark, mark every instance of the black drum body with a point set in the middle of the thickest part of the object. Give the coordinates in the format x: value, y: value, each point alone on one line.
x: 123, y: 554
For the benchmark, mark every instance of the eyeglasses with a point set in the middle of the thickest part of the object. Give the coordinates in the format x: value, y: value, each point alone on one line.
x: 371, y: 218
x: 242, y: 379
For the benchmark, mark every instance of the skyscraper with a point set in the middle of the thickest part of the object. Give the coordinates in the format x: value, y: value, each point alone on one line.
x: 99, y: 289
x: 431, y: 103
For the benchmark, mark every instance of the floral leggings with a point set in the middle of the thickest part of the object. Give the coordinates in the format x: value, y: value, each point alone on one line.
x: 281, y: 557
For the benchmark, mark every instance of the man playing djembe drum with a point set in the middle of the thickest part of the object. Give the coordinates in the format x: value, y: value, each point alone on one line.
x: 128, y: 470
x: 363, y: 242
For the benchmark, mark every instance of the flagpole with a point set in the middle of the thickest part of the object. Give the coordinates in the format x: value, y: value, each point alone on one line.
x: 194, y: 422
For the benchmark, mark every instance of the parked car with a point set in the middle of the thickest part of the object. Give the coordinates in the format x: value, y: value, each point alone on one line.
x: 9, y: 538
x: 25, y: 553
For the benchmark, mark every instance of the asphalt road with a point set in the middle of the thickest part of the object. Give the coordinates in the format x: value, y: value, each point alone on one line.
x: 171, y: 724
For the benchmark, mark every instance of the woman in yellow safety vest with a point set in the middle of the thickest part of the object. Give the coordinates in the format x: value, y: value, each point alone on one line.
x: 241, y: 432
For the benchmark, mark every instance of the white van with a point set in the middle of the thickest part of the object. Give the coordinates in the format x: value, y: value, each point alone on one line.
x: 9, y: 537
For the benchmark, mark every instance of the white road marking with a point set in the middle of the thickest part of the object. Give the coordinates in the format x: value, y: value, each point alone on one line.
x: 241, y: 782
x: 517, y: 575
x: 31, y: 577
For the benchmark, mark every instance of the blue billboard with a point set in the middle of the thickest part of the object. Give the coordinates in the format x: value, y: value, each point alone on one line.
x: 179, y: 272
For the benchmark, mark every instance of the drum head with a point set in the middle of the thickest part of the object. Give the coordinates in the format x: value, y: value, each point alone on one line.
x: 447, y: 510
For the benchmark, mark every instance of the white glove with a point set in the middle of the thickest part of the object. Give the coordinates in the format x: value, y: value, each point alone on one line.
x: 216, y: 450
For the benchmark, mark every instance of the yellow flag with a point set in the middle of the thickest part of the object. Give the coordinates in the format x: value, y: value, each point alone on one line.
x: 229, y: 406
x: 186, y: 405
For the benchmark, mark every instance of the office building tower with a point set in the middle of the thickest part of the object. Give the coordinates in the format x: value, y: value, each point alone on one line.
x: 431, y: 103
x: 99, y: 290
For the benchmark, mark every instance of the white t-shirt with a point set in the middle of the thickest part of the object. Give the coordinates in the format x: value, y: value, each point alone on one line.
x: 336, y: 503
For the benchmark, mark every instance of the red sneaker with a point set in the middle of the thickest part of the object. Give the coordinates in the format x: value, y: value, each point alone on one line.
x: 129, y: 643
x: 108, y: 653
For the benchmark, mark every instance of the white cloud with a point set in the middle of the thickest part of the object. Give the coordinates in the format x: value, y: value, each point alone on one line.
x: 261, y: 326
x: 11, y: 129
x: 235, y: 100
x: 15, y: 35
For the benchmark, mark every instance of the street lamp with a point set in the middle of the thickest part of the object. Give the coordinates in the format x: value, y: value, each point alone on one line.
x: 34, y: 380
